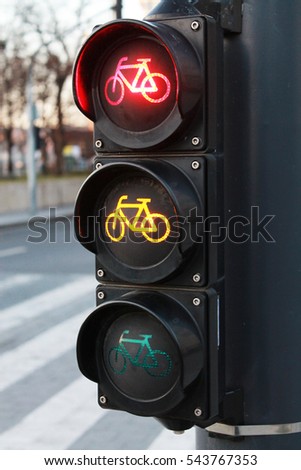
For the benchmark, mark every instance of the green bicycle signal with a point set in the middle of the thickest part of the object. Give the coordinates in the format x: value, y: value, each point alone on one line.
x: 155, y: 362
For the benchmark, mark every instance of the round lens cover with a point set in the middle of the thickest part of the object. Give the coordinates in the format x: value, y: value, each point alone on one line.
x: 138, y: 221
x: 140, y: 357
x: 138, y: 84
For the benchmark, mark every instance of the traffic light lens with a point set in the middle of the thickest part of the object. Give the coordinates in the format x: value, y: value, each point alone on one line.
x: 140, y: 357
x: 138, y: 85
x: 138, y: 222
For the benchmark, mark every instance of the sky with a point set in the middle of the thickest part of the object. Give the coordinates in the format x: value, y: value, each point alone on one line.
x: 97, y: 12
x: 131, y: 8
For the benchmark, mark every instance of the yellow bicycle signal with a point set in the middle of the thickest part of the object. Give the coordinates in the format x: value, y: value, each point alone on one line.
x: 144, y: 221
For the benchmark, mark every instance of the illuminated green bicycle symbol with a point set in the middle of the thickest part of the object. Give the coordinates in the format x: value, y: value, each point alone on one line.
x: 155, y: 362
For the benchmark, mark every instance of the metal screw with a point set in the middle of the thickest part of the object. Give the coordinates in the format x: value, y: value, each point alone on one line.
x: 196, y: 277
x: 100, y: 273
x: 98, y: 144
x: 196, y: 301
x: 195, y: 165
x: 195, y: 141
x: 198, y: 412
x: 101, y: 295
x: 195, y: 25
x: 103, y: 400
x: 98, y: 166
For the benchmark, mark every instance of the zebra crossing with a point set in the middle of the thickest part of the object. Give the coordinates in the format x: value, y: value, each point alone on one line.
x: 45, y: 403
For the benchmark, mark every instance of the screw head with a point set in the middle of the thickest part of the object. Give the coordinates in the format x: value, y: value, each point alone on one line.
x: 195, y: 141
x: 100, y: 273
x: 195, y: 165
x: 196, y: 277
x: 196, y: 301
x: 195, y: 25
x: 98, y: 144
x: 98, y: 166
x: 101, y: 295
x: 198, y: 412
x: 103, y: 400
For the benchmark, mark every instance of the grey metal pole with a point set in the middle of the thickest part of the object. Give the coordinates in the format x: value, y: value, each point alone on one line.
x: 118, y: 9
x: 2, y: 91
x: 2, y: 65
x: 30, y: 160
x: 263, y: 274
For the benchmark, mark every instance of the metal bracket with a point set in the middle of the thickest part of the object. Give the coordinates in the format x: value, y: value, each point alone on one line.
x: 231, y: 15
x: 227, y: 12
x: 254, y: 430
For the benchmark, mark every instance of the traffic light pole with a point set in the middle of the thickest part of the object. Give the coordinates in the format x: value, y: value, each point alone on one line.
x: 262, y: 115
x: 30, y: 162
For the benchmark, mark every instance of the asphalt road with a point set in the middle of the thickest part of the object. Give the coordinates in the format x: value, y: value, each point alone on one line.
x: 47, y: 289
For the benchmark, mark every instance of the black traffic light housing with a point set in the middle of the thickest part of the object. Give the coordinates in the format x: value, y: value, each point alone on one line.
x: 172, y: 291
x: 151, y: 389
x: 155, y: 343
x: 180, y: 192
x: 175, y: 49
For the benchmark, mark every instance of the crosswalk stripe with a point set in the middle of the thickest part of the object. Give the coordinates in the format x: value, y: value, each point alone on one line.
x: 167, y: 440
x: 16, y: 315
x: 18, y: 280
x: 66, y: 417
x: 58, y: 422
x: 24, y: 359
x: 17, y: 250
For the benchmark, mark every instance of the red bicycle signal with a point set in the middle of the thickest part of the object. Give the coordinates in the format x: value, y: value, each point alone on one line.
x: 115, y: 84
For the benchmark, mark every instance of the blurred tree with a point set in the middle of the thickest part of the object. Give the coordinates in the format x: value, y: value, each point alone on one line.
x: 56, y: 41
x: 43, y: 38
x: 13, y: 78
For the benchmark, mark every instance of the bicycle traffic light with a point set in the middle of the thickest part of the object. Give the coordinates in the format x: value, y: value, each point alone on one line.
x: 154, y: 344
x: 145, y: 83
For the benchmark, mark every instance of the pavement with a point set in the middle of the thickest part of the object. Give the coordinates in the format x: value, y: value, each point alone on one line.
x: 20, y: 218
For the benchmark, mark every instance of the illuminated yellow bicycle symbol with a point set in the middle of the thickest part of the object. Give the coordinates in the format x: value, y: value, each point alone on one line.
x: 144, y: 221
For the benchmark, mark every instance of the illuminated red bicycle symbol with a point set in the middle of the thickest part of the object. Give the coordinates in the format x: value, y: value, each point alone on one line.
x: 115, y: 85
